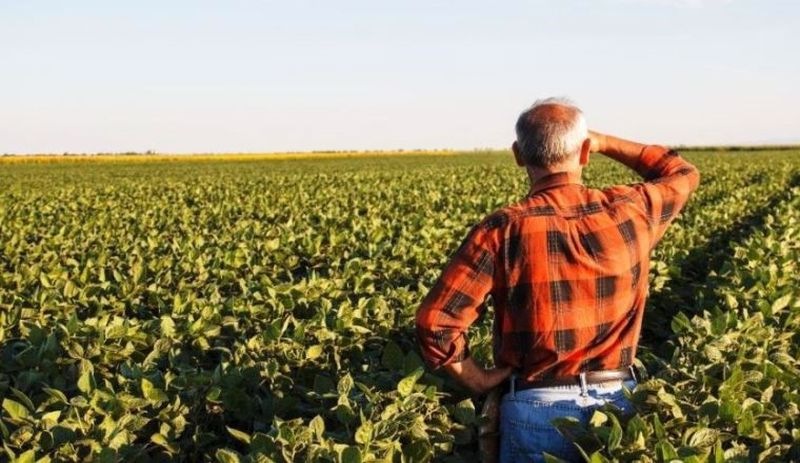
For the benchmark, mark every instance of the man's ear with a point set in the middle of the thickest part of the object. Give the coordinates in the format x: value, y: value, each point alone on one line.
x: 586, y: 147
x: 517, y: 157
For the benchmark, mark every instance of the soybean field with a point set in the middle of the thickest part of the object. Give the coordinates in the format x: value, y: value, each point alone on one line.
x: 262, y: 310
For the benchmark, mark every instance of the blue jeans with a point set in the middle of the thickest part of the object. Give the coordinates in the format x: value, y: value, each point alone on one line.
x: 525, y: 418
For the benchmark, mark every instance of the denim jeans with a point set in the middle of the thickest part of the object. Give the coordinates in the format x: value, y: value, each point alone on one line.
x: 525, y: 418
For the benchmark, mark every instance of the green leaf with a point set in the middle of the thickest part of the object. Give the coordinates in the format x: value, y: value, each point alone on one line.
x: 152, y: 393
x: 781, y: 303
x: 23, y: 398
x: 345, y: 414
x: 351, y: 455
x: 317, y: 425
x: 406, y: 385
x: 313, y: 352
x: 26, y: 457
x: 666, y: 451
x: 147, y: 387
x: 167, y: 326
x: 345, y: 384
x: 56, y: 394
x: 213, y: 394
x: 635, y: 427
x: 680, y: 323
x: 719, y: 454
x: 239, y: 435
x: 746, y: 424
x: 615, y: 435
x: 729, y: 410
x: 464, y: 412
x: 86, y: 382
x: 597, y: 457
x: 364, y: 433
x: 703, y: 437
x: 227, y: 456
x: 15, y: 410
x: 598, y: 419
x: 51, y: 417
x: 418, y: 451
x: 137, y: 271
x: 177, y: 303
x: 161, y: 440
x: 70, y: 289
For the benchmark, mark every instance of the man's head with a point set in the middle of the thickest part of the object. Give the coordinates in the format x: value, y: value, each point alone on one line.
x: 552, y: 134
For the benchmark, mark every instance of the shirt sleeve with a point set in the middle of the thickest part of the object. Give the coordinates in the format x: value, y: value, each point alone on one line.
x: 455, y: 302
x: 669, y: 181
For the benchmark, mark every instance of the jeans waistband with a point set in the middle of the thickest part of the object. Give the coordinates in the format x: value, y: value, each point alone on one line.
x: 602, y: 387
x: 607, y: 385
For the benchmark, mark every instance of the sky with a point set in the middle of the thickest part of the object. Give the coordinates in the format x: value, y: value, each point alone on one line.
x: 261, y: 76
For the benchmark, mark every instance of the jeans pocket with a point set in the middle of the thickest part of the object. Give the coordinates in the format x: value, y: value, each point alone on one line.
x: 527, y: 431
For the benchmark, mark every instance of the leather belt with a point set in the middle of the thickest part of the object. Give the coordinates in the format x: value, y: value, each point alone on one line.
x: 586, y: 378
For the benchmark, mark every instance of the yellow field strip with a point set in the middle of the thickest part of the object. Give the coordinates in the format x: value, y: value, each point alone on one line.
x: 142, y: 158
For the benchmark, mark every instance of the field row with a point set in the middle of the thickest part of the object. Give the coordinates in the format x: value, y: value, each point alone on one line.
x: 264, y: 311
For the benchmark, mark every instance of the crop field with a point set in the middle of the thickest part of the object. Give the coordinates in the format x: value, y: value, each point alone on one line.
x: 241, y: 309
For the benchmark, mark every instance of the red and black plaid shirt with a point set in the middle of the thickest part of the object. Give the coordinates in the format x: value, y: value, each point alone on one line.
x: 567, y: 268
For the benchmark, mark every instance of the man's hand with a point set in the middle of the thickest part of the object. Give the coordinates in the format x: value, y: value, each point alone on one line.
x: 476, y: 378
x: 598, y: 141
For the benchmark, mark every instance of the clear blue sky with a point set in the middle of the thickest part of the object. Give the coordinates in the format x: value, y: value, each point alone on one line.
x: 211, y: 76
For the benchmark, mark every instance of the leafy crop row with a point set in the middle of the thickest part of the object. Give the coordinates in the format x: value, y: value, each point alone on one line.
x: 263, y: 310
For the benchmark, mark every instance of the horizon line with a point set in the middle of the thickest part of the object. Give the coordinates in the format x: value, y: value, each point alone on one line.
x: 691, y: 147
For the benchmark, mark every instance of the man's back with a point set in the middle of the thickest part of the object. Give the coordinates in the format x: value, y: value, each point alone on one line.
x: 567, y: 269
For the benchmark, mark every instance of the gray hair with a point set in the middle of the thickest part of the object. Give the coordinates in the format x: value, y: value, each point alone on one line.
x: 547, y: 138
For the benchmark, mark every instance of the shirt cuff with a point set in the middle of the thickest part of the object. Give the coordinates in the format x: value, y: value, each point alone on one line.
x: 438, y: 354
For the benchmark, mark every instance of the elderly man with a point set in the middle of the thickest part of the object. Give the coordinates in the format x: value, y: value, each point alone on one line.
x: 567, y: 270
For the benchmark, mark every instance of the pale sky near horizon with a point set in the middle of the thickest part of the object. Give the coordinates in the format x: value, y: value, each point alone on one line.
x: 245, y: 76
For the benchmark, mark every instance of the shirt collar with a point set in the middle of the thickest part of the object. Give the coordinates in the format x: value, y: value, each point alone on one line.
x: 555, y: 180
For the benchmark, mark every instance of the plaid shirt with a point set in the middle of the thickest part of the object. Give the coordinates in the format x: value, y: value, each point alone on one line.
x: 567, y: 268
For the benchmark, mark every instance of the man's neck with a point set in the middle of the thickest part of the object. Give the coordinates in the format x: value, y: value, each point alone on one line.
x: 536, y: 174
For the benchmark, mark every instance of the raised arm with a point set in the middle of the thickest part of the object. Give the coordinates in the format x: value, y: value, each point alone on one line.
x: 624, y: 151
x: 669, y: 178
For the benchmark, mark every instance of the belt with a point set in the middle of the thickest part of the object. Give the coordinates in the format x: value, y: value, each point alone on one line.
x: 586, y: 378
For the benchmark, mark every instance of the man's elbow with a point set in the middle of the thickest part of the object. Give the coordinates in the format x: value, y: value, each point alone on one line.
x: 691, y: 175
x: 439, y: 346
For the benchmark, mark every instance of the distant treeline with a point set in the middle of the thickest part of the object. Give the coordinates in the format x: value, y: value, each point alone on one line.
x: 66, y: 153
x: 396, y: 151
x: 739, y: 148
x: 254, y: 153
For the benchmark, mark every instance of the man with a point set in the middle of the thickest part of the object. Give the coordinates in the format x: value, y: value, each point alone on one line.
x: 567, y: 268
